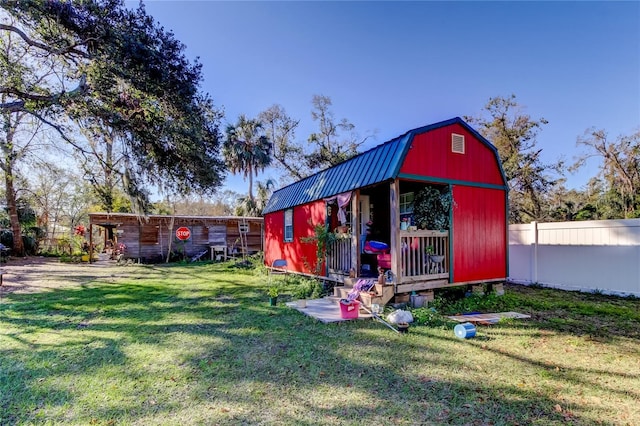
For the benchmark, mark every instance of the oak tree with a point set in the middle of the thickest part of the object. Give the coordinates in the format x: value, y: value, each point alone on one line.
x: 124, y: 81
x: 514, y: 135
x: 619, y: 170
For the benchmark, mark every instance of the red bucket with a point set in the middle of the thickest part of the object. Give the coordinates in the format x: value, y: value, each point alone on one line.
x: 349, y: 310
x: 384, y: 261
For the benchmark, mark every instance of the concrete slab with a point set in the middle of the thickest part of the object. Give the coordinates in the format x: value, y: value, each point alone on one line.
x: 324, y: 310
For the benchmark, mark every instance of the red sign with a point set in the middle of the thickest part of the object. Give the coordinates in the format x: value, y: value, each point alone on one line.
x: 183, y: 233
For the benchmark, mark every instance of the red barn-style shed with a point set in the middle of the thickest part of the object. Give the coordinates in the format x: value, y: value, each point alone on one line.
x: 375, y: 204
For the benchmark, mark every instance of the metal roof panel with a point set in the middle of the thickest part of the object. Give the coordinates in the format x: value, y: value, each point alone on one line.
x: 376, y: 165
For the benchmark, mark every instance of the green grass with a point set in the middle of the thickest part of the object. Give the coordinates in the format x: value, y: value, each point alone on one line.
x: 198, y: 344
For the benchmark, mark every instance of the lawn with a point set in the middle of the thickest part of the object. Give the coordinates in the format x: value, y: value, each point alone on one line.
x: 198, y: 344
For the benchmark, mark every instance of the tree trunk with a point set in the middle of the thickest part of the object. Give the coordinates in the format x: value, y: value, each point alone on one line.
x: 108, y: 176
x: 251, y: 183
x: 8, y: 156
x: 18, y: 247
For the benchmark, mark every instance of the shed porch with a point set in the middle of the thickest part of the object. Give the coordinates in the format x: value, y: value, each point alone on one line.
x: 423, y: 263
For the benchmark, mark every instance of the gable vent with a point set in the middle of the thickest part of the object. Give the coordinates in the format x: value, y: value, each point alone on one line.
x: 457, y: 143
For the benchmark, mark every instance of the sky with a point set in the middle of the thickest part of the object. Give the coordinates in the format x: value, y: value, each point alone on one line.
x: 390, y: 67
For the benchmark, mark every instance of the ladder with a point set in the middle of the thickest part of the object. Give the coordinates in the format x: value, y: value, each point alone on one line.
x: 243, y: 238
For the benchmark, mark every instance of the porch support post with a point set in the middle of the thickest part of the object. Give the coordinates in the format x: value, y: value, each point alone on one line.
x: 394, y: 213
x: 355, y: 231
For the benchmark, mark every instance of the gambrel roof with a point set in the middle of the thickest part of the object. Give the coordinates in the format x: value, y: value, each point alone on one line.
x: 379, y: 164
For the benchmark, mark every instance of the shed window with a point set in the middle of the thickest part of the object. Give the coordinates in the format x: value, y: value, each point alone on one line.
x: 457, y: 143
x: 149, y: 234
x: 218, y: 235
x: 288, y: 225
x: 243, y: 227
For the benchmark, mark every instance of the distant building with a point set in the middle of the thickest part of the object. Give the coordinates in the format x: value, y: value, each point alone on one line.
x: 151, y: 238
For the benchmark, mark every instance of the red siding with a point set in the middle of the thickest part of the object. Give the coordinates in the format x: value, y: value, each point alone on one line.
x: 430, y: 155
x: 479, y: 234
x: 300, y: 256
x: 273, y: 236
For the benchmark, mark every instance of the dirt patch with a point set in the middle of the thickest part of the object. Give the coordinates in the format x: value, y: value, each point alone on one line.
x: 37, y: 274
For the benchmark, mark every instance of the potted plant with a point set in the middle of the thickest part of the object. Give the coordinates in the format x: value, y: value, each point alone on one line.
x: 273, y: 295
x: 300, y: 294
x: 431, y: 208
x: 434, y: 261
x: 304, y: 290
x: 323, y: 239
x: 435, y: 258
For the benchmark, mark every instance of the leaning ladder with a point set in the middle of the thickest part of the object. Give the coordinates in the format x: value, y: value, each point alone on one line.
x: 243, y: 239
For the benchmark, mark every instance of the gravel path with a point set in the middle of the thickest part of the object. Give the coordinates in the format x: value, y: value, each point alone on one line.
x: 36, y: 274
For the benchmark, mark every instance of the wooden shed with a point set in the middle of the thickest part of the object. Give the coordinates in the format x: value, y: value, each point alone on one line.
x: 371, y: 202
x: 151, y: 238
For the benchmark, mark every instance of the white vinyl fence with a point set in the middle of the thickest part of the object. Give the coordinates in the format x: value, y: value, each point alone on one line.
x: 600, y: 255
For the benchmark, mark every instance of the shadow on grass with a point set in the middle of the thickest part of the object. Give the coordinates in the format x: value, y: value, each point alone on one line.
x: 226, y: 356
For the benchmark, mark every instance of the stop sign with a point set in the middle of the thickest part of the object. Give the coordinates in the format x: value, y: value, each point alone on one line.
x: 183, y: 233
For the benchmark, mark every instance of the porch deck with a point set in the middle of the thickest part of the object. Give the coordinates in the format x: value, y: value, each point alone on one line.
x: 423, y: 261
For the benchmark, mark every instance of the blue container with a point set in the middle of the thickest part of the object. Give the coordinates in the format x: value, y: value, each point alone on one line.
x: 465, y: 330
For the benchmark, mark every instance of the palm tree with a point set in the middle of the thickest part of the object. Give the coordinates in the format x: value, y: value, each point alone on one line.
x: 247, y: 149
x: 249, y: 207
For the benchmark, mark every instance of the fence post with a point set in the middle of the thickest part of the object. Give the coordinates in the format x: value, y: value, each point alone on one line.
x: 534, y: 254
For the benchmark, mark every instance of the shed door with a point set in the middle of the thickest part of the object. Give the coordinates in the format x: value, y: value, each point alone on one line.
x: 365, y: 216
x: 365, y: 213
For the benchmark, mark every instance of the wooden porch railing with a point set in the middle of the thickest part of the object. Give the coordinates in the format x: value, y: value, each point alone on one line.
x: 424, y: 255
x: 339, y: 255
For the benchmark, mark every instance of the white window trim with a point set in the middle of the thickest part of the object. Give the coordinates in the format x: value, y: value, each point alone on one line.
x: 290, y: 225
x: 407, y: 204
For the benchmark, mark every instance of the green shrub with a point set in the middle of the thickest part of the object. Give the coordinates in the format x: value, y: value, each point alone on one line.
x: 6, y: 237
x: 452, y: 303
x: 301, y: 287
x: 30, y: 245
x: 429, y: 317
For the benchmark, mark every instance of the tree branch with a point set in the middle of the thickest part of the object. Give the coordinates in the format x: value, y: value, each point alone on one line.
x: 34, y: 43
x: 60, y: 131
x: 11, y: 107
x: 19, y: 105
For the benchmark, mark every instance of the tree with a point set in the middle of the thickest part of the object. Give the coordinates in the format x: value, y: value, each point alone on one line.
x: 7, y: 162
x: 334, y: 142
x: 52, y: 189
x: 619, y: 169
x: 288, y: 155
x: 197, y: 204
x: 329, y: 148
x: 571, y: 204
x: 125, y: 80
x: 254, y: 207
x: 17, y: 128
x: 514, y: 135
x: 247, y: 149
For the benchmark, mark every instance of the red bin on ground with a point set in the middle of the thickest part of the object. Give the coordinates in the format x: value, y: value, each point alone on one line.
x: 349, y: 309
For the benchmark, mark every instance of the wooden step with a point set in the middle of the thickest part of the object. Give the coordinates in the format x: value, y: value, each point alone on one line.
x: 380, y: 296
x: 341, y: 292
x: 333, y: 299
